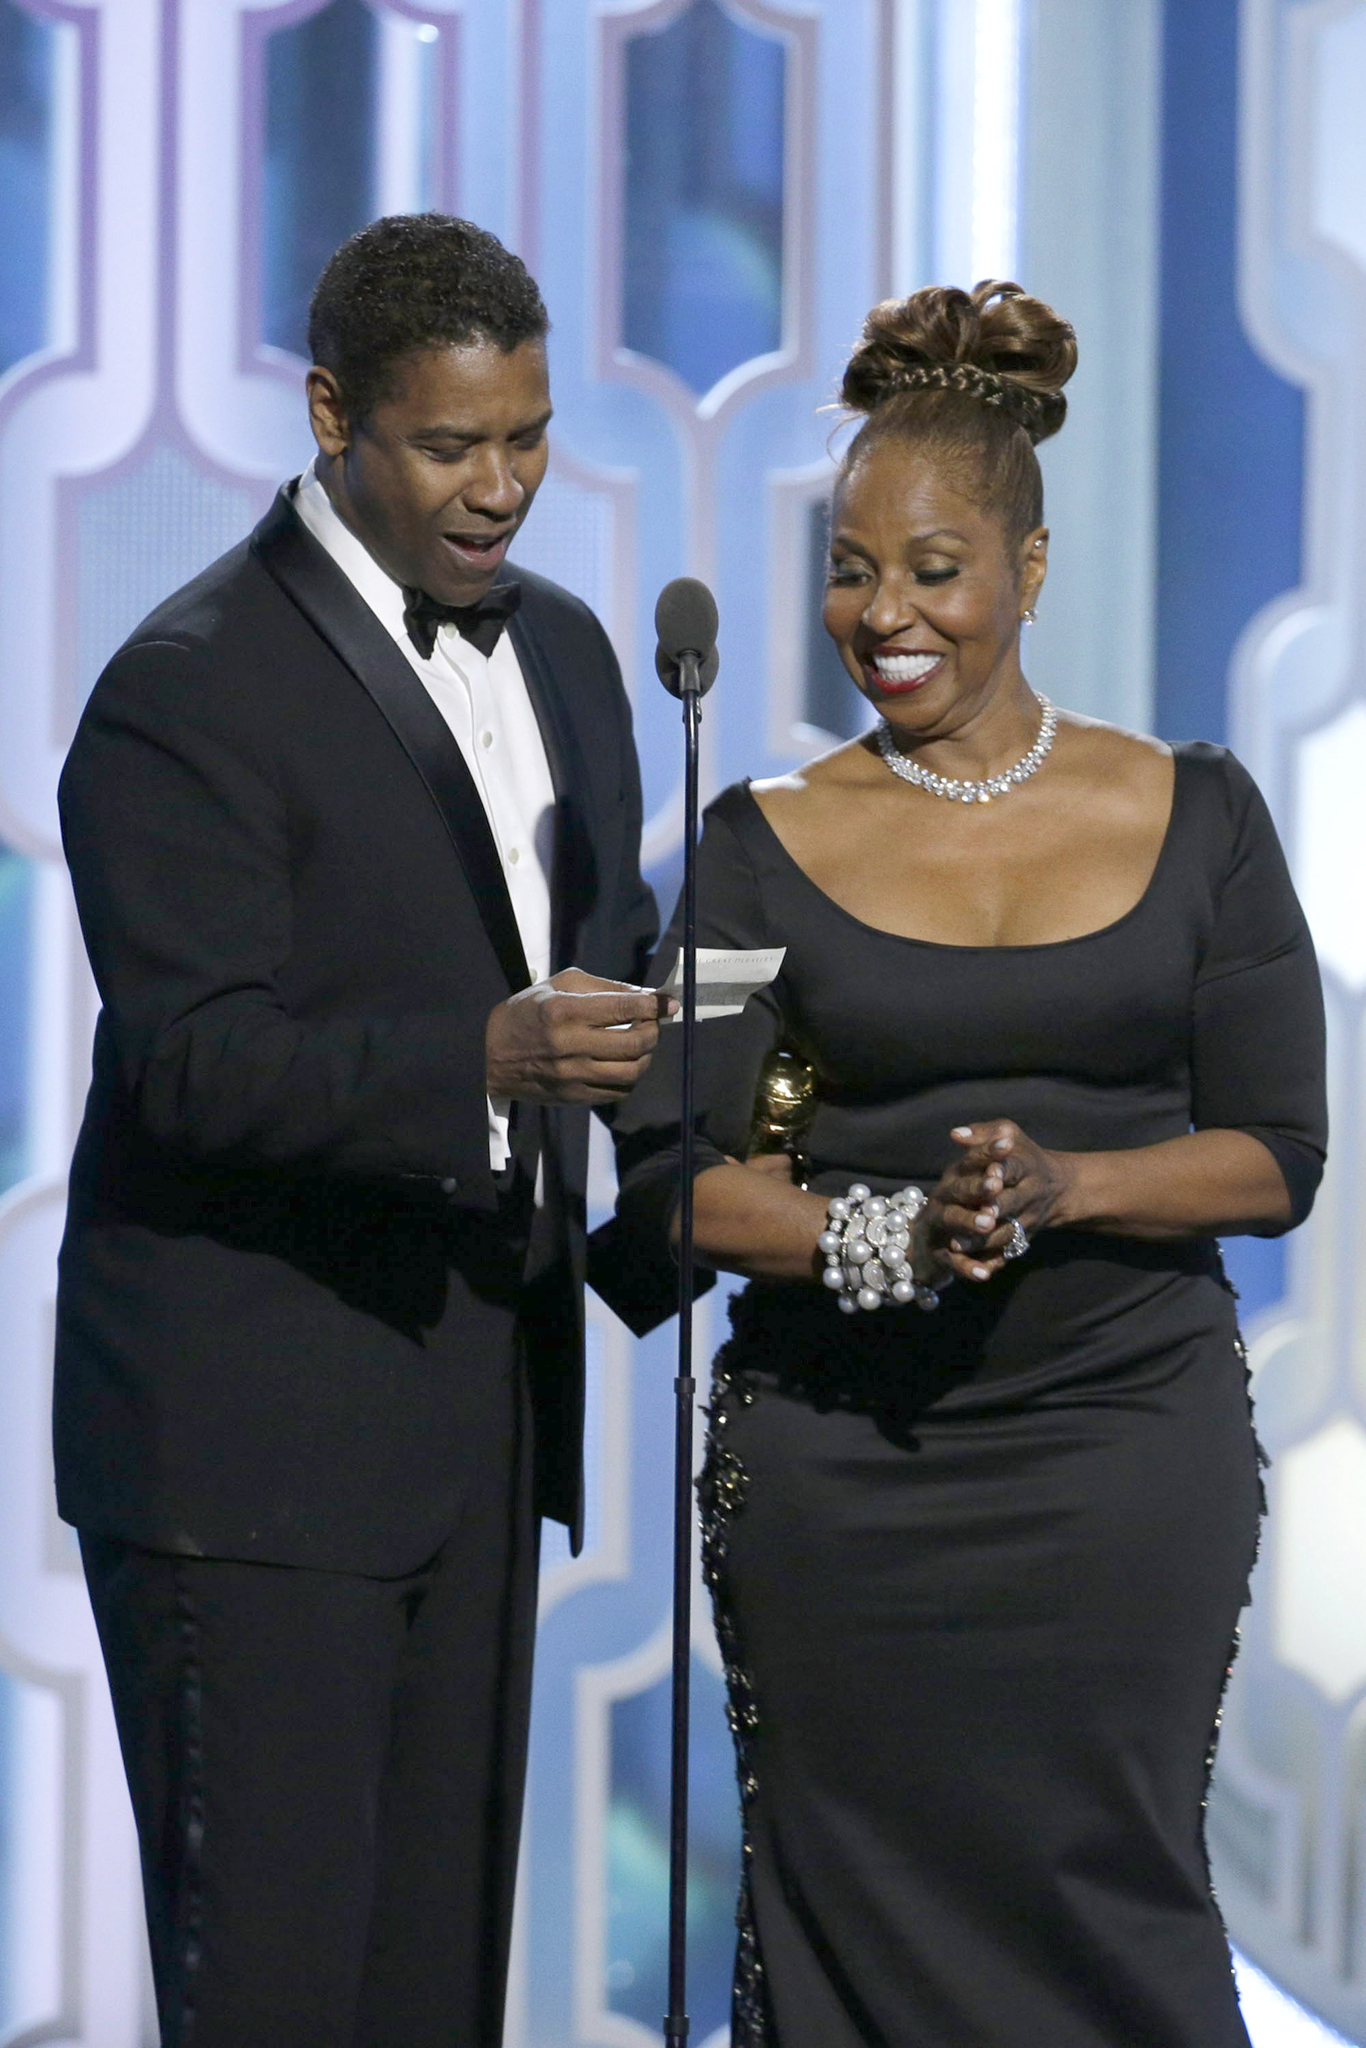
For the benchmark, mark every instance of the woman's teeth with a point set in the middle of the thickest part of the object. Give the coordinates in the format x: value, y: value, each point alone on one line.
x: 904, y: 668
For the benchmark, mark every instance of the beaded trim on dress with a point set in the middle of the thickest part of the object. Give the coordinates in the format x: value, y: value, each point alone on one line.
x: 722, y: 1487
x: 1212, y: 1749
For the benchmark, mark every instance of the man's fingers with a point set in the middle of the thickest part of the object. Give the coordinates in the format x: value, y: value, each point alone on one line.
x: 639, y: 1001
x: 578, y: 981
x: 574, y: 1095
x: 633, y: 1004
x: 575, y: 1039
x: 580, y: 1080
x: 619, y: 1075
x: 603, y: 1009
x: 587, y: 1081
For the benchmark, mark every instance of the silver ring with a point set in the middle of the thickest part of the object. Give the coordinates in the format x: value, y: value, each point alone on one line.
x: 1019, y: 1242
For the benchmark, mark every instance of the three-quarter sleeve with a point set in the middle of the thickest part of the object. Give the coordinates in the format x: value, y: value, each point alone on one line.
x: 730, y: 1050
x: 1257, y: 1040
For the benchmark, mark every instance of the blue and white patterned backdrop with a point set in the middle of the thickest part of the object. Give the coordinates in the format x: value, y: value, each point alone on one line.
x: 712, y: 192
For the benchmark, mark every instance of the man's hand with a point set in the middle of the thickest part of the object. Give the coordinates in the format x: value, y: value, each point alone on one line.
x: 574, y: 1038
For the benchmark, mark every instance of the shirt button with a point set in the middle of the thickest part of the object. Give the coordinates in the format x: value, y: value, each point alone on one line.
x: 449, y: 1185
x: 513, y: 855
x: 486, y: 739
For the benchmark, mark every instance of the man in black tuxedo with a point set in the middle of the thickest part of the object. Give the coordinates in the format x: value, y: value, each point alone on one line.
x: 340, y: 815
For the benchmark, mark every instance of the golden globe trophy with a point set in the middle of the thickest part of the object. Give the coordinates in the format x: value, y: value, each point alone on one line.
x: 785, y: 1103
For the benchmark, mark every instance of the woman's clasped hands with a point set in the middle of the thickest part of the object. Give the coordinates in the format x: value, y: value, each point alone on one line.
x: 989, y: 1202
x: 1001, y: 1187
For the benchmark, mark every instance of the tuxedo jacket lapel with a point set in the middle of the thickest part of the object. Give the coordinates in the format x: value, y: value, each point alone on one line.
x: 572, y: 865
x: 340, y: 614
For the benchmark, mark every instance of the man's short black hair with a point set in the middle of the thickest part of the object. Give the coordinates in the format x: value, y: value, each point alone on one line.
x: 412, y: 281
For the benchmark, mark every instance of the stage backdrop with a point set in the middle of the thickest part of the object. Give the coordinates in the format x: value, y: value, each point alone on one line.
x: 712, y: 192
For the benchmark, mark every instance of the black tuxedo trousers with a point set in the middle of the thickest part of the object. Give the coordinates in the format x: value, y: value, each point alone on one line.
x: 317, y: 1374
x: 327, y: 1772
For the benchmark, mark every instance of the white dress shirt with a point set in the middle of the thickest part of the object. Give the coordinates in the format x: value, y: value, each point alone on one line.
x: 484, y: 701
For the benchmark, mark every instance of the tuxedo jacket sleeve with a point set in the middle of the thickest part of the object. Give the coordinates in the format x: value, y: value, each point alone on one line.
x: 178, y: 833
x: 283, y: 1233
x: 178, y: 823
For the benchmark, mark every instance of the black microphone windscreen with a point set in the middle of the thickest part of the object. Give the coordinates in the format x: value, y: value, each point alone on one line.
x: 685, y: 618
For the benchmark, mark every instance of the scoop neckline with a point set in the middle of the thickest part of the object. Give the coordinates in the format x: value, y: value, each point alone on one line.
x: 1103, y: 931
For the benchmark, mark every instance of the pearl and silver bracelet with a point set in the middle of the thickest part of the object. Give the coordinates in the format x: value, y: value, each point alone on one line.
x: 866, y: 1243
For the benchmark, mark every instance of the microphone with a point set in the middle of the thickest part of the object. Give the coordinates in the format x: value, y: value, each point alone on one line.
x: 686, y: 660
x: 685, y: 622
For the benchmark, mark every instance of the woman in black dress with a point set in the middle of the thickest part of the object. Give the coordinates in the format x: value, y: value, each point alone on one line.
x: 977, y: 1572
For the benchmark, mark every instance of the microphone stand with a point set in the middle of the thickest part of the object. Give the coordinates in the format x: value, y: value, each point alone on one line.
x: 691, y: 687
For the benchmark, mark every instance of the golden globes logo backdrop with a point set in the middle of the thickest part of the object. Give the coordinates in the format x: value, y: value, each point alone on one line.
x: 712, y: 192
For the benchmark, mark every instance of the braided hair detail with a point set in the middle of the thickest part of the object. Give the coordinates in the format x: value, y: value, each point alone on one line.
x: 972, y: 380
x: 994, y: 344
x: 1028, y: 409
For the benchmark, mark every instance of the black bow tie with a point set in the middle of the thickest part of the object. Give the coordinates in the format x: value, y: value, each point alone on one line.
x: 480, y: 623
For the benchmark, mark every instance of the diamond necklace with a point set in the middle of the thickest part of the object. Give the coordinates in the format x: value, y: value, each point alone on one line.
x: 971, y: 792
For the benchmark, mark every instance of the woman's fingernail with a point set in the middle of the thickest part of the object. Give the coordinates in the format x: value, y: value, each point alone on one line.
x: 979, y: 1273
x: 961, y: 1131
x: 985, y: 1221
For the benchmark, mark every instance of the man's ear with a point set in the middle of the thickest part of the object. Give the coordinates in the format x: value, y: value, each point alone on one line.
x: 327, y: 411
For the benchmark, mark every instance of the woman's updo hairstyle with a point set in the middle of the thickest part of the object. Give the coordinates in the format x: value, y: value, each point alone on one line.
x: 976, y: 378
